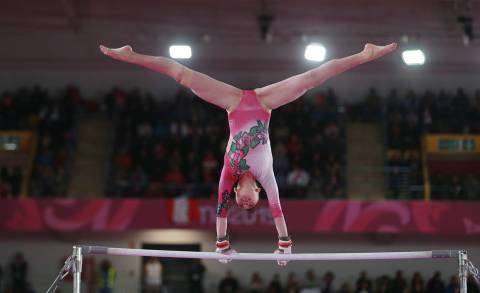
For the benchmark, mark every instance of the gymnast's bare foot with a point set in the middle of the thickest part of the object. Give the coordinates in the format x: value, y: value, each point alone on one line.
x: 123, y: 54
x: 371, y: 52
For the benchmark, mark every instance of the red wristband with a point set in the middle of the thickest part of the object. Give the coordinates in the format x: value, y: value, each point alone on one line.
x: 284, y: 244
x: 223, y: 244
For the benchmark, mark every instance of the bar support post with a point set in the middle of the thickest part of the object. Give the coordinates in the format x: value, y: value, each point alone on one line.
x: 462, y: 270
x: 77, y: 269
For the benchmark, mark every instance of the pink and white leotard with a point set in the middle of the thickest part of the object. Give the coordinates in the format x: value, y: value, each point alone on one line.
x: 249, y: 150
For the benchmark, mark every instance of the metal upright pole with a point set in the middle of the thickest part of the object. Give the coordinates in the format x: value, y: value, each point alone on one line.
x: 77, y: 269
x: 462, y: 270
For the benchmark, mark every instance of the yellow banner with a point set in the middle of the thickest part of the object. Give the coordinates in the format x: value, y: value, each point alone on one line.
x: 459, y: 144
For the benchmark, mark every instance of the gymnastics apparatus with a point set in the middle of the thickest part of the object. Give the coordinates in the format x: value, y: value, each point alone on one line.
x: 74, y: 263
x: 248, y: 159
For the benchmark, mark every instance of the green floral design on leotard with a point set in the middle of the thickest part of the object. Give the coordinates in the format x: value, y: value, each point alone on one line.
x: 222, y: 206
x: 242, y: 142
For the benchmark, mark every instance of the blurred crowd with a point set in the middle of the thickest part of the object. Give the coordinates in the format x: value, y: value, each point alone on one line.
x: 11, y: 178
x: 174, y: 147
x: 51, y: 117
x: 410, y: 116
x: 312, y: 283
x: 165, y: 148
x: 14, y: 278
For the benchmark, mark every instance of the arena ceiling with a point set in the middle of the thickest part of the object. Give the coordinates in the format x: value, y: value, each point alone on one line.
x: 234, y: 27
x: 239, y: 20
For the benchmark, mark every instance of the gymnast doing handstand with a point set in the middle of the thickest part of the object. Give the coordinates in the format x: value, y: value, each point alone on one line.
x: 248, y: 156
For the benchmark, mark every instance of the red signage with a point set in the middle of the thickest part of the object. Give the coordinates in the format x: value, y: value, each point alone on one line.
x: 338, y: 216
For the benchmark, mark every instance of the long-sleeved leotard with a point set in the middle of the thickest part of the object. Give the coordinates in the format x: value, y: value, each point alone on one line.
x: 249, y: 150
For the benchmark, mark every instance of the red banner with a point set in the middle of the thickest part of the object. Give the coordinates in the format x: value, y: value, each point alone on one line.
x: 397, y: 217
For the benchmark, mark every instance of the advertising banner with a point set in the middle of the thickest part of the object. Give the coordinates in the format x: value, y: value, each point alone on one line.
x: 337, y: 216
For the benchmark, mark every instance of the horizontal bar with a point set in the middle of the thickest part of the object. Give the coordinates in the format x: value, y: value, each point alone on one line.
x: 269, y: 256
x: 446, y: 253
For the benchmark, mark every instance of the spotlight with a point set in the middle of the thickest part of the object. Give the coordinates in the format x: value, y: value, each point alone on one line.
x: 413, y: 57
x: 315, y: 52
x: 180, y: 52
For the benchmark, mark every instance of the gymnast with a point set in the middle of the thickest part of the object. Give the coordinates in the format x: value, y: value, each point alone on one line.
x: 248, y: 156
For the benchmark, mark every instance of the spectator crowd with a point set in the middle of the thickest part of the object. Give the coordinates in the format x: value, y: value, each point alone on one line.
x: 174, y: 147
x: 14, y: 278
x: 51, y: 118
x: 311, y: 283
x: 171, y: 147
x: 407, y: 119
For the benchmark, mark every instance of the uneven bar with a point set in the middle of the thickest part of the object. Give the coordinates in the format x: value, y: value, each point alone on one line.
x: 271, y: 256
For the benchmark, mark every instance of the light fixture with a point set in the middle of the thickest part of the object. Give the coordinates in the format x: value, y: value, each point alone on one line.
x: 180, y: 52
x: 413, y: 57
x: 315, y: 52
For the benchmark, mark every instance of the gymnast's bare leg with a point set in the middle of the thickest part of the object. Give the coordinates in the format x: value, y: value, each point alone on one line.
x: 257, y: 164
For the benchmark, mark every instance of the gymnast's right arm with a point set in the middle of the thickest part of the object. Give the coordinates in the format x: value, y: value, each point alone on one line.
x: 207, y: 88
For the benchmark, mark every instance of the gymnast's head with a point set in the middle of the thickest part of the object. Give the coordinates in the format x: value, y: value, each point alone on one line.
x: 246, y: 191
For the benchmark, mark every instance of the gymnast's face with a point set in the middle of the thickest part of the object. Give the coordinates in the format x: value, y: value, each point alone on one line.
x: 246, y: 192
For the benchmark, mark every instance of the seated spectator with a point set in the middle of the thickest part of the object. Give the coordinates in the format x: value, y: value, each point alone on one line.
x: 152, y: 275
x: 315, y: 191
x: 292, y: 285
x: 472, y: 284
x: 107, y: 276
x: 417, y: 285
x: 327, y: 285
x: 453, y: 286
x: 174, y: 180
x: 256, y: 284
x: 311, y: 285
x: 297, y: 180
x: 294, y: 146
x: 364, y: 284
x: 435, y: 284
x: 275, y: 285
x: 471, y: 187
x: 18, y: 273
x: 139, y: 181
x: 196, y: 275
x: 298, y: 176
x: 457, y: 191
x: 399, y: 283
x: 121, y: 184
x: 382, y: 284
x: 209, y: 163
x: 229, y: 284
x: 123, y: 160
x: 333, y: 182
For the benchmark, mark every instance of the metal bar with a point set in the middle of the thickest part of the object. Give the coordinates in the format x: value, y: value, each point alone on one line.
x: 270, y: 256
x: 445, y: 253
x: 77, y: 269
